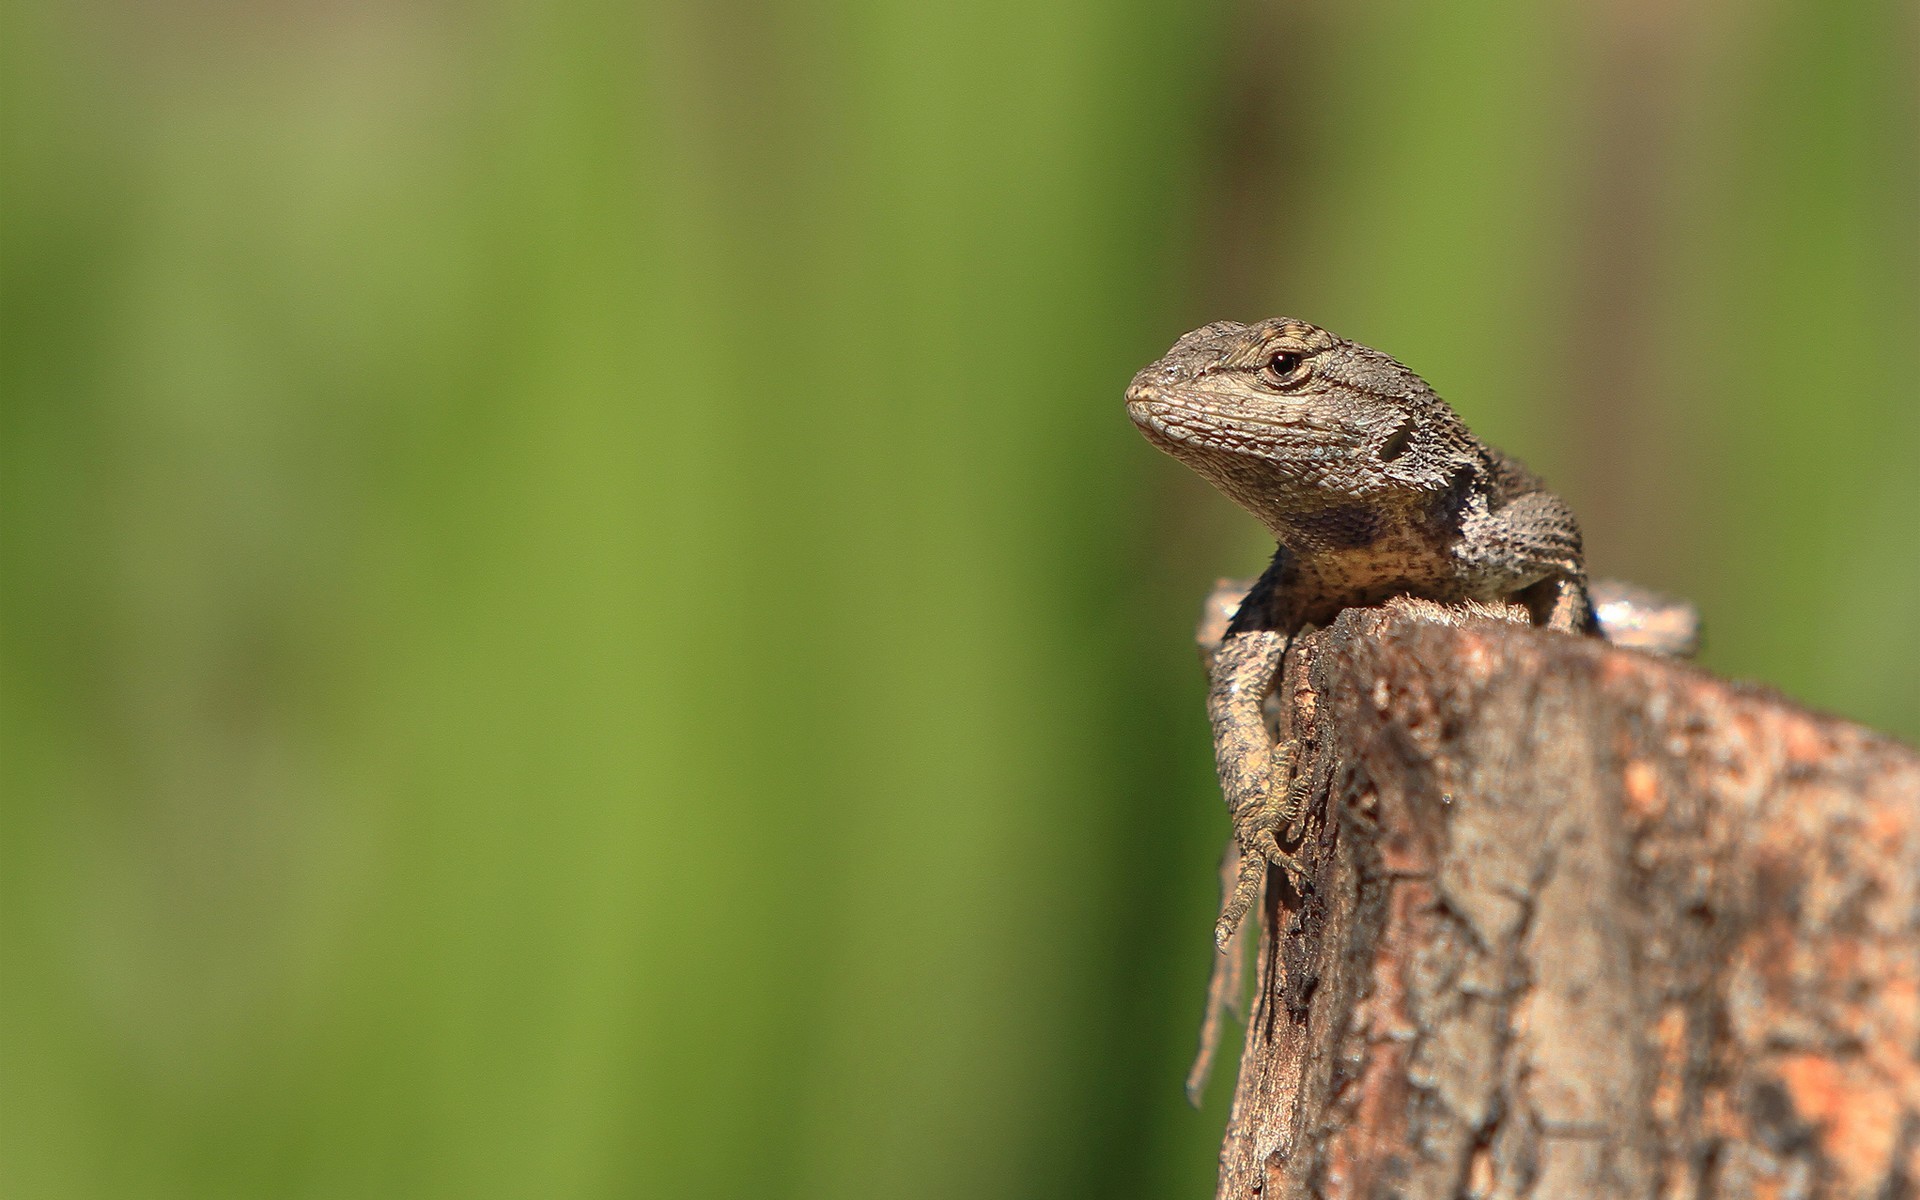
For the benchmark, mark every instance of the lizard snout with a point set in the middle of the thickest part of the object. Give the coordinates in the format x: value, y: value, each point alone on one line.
x: 1142, y: 403
x: 1146, y: 404
x: 1144, y: 389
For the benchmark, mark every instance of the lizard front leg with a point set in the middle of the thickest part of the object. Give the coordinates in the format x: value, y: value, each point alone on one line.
x: 1254, y: 771
x: 1224, y: 982
x: 1529, y: 549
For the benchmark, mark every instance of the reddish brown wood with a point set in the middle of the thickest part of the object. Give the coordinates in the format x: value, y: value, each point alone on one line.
x: 1582, y: 923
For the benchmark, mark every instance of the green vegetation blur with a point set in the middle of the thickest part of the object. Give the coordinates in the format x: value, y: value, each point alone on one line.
x: 582, y: 617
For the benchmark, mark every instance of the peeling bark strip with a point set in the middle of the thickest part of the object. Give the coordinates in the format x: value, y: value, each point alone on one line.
x: 1584, y: 923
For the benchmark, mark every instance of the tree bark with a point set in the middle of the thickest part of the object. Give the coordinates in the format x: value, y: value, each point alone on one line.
x: 1581, y: 923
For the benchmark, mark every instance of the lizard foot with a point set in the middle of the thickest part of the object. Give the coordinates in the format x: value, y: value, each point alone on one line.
x: 1257, y: 834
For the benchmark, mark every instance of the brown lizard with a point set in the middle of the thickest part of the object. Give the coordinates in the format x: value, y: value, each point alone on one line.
x: 1374, y: 488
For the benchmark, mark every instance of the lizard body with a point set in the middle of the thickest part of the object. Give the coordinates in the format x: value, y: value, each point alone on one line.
x: 1373, y: 488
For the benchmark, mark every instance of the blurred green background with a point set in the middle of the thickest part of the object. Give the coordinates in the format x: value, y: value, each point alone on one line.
x: 582, y: 616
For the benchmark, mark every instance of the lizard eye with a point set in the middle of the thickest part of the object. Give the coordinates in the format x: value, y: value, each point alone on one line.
x: 1285, y: 367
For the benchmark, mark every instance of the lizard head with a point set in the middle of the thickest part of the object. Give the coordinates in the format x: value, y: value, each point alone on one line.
x: 1298, y: 426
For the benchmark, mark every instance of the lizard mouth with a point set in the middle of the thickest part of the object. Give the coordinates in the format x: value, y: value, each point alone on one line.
x: 1186, y: 423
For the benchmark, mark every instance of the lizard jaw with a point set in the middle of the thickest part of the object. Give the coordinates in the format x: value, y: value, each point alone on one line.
x: 1183, y: 427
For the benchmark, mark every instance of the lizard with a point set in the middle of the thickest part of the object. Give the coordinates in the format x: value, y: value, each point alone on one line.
x: 1372, y: 487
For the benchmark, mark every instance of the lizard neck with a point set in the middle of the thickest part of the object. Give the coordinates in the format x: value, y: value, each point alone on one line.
x: 1298, y: 590
x: 1323, y: 583
x: 1304, y: 587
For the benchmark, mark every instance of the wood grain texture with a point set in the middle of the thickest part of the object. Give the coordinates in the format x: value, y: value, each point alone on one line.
x: 1582, y: 923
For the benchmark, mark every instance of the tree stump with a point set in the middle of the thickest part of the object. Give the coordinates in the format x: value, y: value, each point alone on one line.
x: 1580, y: 923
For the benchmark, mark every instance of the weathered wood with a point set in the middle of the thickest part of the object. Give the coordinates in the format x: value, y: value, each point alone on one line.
x: 1583, y: 923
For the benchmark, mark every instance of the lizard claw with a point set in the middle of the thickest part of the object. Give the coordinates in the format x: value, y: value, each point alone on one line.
x: 1259, y: 850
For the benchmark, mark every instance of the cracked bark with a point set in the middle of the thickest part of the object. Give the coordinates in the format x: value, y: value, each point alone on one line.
x: 1582, y: 923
